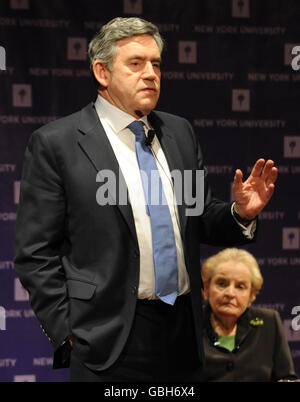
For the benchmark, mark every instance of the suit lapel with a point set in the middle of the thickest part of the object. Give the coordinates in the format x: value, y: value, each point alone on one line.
x: 96, y: 146
x: 173, y: 156
x: 244, y: 327
x: 94, y: 143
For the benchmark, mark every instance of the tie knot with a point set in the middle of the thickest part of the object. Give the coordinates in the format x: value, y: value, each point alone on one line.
x: 137, y: 127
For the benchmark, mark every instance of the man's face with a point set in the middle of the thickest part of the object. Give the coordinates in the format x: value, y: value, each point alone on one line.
x: 133, y: 84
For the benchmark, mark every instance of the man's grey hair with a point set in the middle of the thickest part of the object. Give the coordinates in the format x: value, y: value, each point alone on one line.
x: 103, y: 46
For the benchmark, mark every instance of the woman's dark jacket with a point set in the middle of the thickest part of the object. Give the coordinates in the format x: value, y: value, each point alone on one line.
x: 261, y: 351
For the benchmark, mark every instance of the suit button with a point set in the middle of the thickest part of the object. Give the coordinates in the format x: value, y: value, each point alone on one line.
x: 136, y: 254
x: 230, y: 366
x: 134, y: 290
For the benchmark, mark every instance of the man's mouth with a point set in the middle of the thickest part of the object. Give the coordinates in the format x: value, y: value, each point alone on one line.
x: 151, y: 90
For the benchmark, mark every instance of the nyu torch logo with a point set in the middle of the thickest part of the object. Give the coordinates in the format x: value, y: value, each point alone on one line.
x: 2, y: 58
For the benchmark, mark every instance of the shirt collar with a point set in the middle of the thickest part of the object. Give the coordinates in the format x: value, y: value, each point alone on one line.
x: 115, y: 117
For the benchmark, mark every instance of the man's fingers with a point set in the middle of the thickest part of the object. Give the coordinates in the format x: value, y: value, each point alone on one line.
x: 257, y: 169
x: 238, y: 178
x: 270, y: 191
x: 272, y: 176
x: 267, y: 170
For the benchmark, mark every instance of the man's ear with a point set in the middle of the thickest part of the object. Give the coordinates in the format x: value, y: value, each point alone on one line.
x: 101, y: 73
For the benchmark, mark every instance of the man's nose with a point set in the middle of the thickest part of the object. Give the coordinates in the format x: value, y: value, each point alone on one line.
x: 149, y: 72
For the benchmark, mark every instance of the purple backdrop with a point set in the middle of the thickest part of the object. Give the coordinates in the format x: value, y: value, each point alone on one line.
x: 227, y: 68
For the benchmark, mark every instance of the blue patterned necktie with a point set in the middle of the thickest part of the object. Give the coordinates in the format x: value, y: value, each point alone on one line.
x: 163, y: 239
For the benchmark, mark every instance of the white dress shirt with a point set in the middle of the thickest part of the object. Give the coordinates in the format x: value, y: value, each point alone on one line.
x: 122, y: 140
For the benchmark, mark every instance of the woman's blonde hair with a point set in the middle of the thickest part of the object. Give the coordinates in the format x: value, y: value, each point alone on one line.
x: 236, y: 255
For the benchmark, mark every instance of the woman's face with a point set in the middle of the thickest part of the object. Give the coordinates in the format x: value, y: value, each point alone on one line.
x: 229, y: 292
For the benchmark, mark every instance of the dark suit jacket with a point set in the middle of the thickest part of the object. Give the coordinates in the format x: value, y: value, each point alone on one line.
x: 261, y: 351
x: 80, y: 261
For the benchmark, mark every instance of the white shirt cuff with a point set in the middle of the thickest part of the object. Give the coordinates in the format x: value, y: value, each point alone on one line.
x: 248, y: 230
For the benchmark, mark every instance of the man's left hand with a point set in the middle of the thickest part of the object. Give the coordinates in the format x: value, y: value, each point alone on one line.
x: 252, y: 195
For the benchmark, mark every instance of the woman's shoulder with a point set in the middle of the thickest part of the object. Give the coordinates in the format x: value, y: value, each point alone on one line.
x: 259, y: 313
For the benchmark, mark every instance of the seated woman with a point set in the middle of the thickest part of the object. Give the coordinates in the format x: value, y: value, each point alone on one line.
x: 241, y: 343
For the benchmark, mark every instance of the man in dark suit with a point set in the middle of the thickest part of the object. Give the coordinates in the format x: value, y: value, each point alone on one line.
x: 89, y: 261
